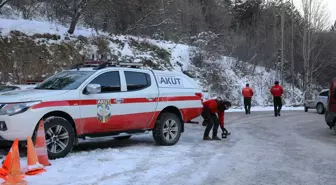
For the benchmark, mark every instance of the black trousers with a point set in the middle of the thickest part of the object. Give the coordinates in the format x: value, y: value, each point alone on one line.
x: 213, y: 121
x: 277, y: 105
x: 247, y: 104
x: 210, y: 120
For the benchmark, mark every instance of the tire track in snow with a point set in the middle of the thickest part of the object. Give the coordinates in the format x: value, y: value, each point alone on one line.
x: 205, y: 157
x: 199, y: 153
x: 157, y: 154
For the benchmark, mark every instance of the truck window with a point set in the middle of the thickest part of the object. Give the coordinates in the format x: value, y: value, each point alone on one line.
x: 324, y: 93
x: 137, y: 80
x: 109, y: 82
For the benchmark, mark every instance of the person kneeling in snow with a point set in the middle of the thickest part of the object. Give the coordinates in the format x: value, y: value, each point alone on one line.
x: 210, y: 109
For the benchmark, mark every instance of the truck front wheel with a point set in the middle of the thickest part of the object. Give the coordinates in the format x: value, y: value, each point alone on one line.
x: 60, y: 137
x: 167, y: 129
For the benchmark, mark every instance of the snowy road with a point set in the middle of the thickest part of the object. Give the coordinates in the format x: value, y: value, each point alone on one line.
x: 296, y: 148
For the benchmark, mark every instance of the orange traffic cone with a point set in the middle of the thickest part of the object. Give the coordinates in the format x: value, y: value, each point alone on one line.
x: 15, y: 175
x: 41, y: 146
x: 6, y: 163
x: 34, y: 167
x: 3, y: 173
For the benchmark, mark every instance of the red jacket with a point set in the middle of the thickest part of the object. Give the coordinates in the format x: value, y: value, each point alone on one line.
x: 247, y: 92
x: 212, y: 104
x: 277, y: 91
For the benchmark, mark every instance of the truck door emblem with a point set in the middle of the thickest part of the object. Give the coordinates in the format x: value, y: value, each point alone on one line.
x: 104, y: 109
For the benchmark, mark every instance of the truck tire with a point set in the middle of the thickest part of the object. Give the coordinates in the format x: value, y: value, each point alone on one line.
x: 330, y: 125
x: 320, y: 108
x: 122, y: 137
x: 167, y: 129
x: 60, y: 137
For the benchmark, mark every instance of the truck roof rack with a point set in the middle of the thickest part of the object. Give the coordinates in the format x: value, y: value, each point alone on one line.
x: 118, y: 64
x: 97, y: 65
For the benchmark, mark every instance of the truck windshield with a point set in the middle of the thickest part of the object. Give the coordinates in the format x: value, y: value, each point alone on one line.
x: 65, y: 80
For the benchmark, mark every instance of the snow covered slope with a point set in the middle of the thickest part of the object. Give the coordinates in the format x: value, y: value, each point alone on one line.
x: 223, y: 76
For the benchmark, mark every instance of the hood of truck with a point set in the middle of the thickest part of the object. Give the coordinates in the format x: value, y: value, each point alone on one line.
x: 29, y: 95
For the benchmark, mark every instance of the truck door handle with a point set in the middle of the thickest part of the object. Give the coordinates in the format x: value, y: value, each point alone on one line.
x: 150, y: 98
x: 119, y: 100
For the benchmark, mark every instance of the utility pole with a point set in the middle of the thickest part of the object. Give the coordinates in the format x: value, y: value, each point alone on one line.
x: 292, y: 52
x: 282, y: 40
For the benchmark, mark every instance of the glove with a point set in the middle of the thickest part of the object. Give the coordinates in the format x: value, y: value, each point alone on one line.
x: 225, y: 133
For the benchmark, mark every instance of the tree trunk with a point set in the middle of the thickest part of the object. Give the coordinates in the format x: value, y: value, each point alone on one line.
x: 105, y: 23
x: 73, y: 23
x: 292, y: 54
x: 275, y: 59
x: 304, y: 56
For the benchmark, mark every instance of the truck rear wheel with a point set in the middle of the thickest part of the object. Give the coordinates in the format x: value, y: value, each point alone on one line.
x: 167, y: 129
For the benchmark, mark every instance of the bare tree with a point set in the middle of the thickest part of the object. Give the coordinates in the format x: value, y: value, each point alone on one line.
x: 3, y: 2
x: 77, y: 10
x: 27, y: 7
x: 275, y: 37
x: 71, y: 9
x: 315, y: 20
x: 333, y: 27
x: 292, y: 50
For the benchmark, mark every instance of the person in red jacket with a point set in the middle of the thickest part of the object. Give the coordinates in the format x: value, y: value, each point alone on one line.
x: 247, y: 93
x: 210, y: 109
x: 277, y: 92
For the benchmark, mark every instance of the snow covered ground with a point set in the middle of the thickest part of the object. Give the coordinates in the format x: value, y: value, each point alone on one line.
x: 296, y: 148
x: 31, y: 27
x: 266, y: 108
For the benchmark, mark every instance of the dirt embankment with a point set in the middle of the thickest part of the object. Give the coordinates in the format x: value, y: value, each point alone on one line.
x: 24, y: 57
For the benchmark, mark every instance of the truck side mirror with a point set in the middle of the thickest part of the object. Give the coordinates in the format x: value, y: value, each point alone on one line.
x: 93, y: 88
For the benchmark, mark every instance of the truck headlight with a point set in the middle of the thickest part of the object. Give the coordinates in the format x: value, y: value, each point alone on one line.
x: 17, y: 108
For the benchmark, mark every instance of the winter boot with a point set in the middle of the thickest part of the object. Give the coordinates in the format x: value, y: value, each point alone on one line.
x: 207, y: 138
